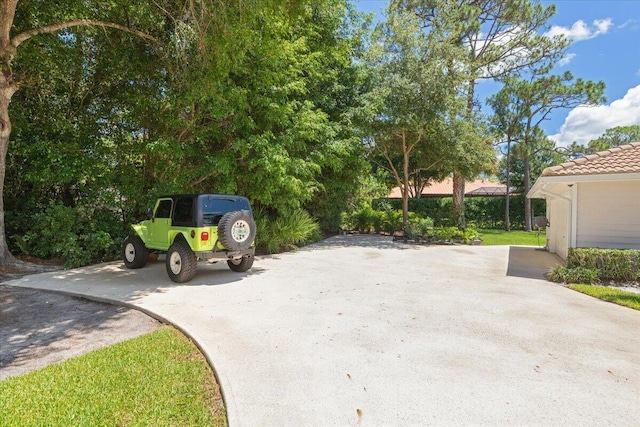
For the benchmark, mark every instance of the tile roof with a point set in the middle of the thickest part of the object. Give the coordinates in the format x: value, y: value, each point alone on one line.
x: 444, y: 188
x: 623, y: 159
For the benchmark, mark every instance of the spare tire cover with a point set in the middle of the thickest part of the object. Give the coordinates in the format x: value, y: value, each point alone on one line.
x: 237, y: 230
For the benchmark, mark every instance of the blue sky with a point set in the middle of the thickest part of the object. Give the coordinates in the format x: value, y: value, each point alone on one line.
x: 606, y: 46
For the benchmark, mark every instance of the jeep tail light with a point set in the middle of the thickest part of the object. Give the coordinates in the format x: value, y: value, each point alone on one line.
x: 204, y: 236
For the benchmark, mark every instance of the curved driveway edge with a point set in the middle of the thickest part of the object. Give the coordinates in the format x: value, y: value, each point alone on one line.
x: 358, y: 330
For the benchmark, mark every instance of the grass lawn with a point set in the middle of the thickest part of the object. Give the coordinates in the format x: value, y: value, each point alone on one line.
x: 159, y: 379
x: 501, y: 237
x: 616, y: 296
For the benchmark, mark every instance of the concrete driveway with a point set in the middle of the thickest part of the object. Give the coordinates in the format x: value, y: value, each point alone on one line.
x: 358, y: 330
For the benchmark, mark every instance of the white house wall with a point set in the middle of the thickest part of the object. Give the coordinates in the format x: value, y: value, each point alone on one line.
x: 608, y: 215
x: 558, y: 231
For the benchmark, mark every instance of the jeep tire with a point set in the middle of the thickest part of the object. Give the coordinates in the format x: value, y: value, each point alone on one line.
x: 181, y: 262
x: 241, y: 265
x: 134, y: 252
x: 236, y: 230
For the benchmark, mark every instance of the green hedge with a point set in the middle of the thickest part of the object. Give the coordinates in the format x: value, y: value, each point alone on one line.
x: 79, y: 235
x: 593, y: 265
x: 485, y: 212
x: 619, y: 265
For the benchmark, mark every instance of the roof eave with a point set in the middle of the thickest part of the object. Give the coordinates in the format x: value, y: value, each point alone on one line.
x: 536, y: 191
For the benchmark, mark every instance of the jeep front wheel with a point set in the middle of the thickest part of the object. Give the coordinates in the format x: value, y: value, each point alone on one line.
x: 134, y: 252
x: 181, y: 262
x: 236, y: 230
x: 240, y: 265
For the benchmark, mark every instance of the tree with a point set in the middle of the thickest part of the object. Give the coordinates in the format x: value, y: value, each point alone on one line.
x: 614, y: 137
x: 414, y: 98
x: 12, y: 37
x: 178, y: 36
x: 277, y: 121
x: 531, y: 101
x: 500, y: 37
x: 507, y: 123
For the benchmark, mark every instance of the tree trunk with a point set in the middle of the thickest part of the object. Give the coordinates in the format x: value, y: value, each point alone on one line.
x: 507, y: 212
x: 527, y: 186
x: 405, y: 193
x: 458, y: 180
x: 458, y: 200
x: 7, y: 89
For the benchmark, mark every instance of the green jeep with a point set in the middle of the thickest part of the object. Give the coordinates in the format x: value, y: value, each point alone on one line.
x: 189, y: 227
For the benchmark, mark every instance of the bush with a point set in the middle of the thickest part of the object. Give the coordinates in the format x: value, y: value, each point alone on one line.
x: 454, y: 234
x: 391, y: 220
x: 366, y: 219
x: 418, y: 227
x: 580, y: 275
x: 618, y: 265
x: 363, y: 219
x: 79, y: 235
x: 485, y: 212
x: 285, y: 232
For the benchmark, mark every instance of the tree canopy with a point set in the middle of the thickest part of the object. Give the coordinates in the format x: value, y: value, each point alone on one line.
x: 299, y: 105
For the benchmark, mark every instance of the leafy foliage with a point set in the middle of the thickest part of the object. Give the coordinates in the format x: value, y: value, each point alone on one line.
x: 78, y: 235
x: 257, y: 98
x: 501, y: 37
x: 619, y: 265
x: 614, y: 137
x: 366, y: 219
x: 413, y: 126
x: 522, y: 105
x: 593, y: 265
x: 484, y: 212
x: 562, y: 274
x: 286, y: 232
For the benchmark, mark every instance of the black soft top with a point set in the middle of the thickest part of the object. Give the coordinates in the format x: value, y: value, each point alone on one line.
x: 204, y: 209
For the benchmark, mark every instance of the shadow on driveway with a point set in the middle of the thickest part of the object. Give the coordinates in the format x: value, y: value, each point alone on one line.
x: 38, y: 328
x: 530, y: 262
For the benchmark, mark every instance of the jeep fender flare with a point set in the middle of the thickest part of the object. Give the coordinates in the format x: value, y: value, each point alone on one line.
x: 179, y: 236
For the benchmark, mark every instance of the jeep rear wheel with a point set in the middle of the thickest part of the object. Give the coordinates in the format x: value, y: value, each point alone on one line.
x: 240, y: 265
x: 181, y: 262
x: 236, y: 230
x: 134, y: 252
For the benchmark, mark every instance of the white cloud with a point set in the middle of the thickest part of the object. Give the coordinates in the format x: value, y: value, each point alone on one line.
x: 566, y: 59
x: 633, y: 23
x: 585, y: 123
x: 581, y: 31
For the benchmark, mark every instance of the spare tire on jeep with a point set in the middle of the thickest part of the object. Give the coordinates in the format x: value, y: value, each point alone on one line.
x: 236, y: 230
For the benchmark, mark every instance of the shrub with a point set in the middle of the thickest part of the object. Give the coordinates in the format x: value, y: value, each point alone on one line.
x: 363, y: 219
x: 581, y: 275
x: 447, y: 233
x: 619, y: 265
x: 454, y: 234
x: 79, y: 235
x: 285, y: 232
x: 392, y: 220
x: 418, y: 227
x: 485, y: 212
